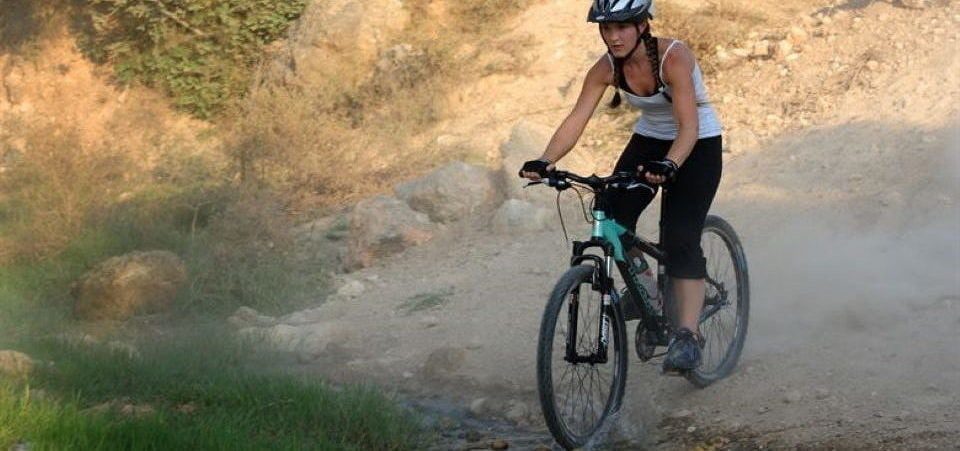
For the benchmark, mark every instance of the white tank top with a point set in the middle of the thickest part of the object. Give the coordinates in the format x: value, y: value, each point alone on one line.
x: 657, y: 119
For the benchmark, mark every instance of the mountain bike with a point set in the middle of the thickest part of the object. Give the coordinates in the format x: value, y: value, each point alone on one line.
x: 580, y: 376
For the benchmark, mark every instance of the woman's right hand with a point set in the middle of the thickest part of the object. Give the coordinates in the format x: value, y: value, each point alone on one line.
x: 536, y: 169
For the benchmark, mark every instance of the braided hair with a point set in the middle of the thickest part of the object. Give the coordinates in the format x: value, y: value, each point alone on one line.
x: 651, y: 46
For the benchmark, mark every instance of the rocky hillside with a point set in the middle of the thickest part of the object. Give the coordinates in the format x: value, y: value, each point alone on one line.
x: 841, y: 175
x: 842, y: 180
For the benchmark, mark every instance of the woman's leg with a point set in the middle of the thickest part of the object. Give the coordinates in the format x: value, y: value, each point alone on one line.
x: 690, y: 294
x: 685, y: 205
x: 627, y: 206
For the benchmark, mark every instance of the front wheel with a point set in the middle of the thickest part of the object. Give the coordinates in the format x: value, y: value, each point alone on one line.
x: 726, y: 310
x: 578, y: 391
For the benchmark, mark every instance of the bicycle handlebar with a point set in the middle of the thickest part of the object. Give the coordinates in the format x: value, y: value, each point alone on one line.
x: 627, y: 181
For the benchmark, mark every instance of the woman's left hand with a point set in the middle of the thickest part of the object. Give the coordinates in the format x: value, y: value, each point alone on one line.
x: 659, y: 172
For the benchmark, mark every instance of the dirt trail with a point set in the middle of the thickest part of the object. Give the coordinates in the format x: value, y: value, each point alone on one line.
x: 850, y: 227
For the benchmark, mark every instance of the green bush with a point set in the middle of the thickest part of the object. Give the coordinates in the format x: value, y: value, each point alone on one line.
x: 201, y: 52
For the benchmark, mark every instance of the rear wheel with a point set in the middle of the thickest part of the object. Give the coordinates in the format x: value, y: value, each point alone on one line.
x: 723, y: 322
x: 578, y: 398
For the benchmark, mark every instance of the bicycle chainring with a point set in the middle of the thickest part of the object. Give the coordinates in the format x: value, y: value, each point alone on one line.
x: 641, y: 344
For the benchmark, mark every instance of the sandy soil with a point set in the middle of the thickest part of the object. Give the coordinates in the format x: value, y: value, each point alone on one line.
x: 849, y: 220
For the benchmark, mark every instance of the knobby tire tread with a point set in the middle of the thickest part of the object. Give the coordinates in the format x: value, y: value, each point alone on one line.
x: 718, y: 225
x: 574, y: 276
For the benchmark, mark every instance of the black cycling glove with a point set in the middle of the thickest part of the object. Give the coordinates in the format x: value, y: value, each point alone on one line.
x: 538, y: 166
x: 665, y: 167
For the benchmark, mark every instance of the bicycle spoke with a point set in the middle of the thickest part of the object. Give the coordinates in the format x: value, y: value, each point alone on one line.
x: 720, y: 328
x: 586, y: 386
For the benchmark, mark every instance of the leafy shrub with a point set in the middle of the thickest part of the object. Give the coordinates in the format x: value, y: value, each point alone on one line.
x: 201, y: 52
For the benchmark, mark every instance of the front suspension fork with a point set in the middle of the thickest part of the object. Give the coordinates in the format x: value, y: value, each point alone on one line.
x: 599, y: 355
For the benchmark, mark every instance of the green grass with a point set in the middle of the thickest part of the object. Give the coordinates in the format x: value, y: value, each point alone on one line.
x: 339, y: 230
x: 237, y: 253
x: 237, y: 404
x: 425, y: 301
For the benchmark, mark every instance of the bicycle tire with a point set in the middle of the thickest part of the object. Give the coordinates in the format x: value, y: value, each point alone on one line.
x: 714, y: 225
x: 550, y: 403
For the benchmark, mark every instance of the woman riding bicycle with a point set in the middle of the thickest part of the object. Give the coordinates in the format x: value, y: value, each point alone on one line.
x: 676, y: 143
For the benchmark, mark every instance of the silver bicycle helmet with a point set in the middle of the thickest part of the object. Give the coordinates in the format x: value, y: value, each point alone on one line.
x: 620, y: 11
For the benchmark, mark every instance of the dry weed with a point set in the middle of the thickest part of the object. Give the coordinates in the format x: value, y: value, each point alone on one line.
x: 53, y: 188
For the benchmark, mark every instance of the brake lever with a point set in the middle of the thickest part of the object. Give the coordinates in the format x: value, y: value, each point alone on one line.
x: 529, y: 184
x: 635, y: 185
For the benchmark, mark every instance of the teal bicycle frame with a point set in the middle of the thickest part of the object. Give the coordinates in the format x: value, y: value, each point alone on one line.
x: 615, y: 240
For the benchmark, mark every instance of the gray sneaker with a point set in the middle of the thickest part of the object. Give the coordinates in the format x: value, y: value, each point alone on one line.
x: 684, y: 352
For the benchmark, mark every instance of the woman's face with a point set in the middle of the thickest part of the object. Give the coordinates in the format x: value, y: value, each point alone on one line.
x: 620, y: 37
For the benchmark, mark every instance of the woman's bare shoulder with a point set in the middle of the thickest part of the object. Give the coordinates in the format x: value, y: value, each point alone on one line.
x: 602, y: 70
x: 679, y: 51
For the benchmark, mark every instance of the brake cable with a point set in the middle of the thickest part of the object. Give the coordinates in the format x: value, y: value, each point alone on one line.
x: 583, y: 208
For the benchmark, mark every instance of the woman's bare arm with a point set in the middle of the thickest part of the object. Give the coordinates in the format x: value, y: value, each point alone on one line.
x: 678, y: 73
x: 594, y: 85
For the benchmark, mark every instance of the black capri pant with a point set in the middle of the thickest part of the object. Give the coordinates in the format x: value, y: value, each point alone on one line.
x: 685, y: 203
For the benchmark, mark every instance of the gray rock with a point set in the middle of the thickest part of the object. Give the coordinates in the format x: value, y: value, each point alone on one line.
x: 308, y: 316
x: 452, y: 193
x: 516, y: 411
x: 328, y: 228
x: 281, y: 336
x: 316, y: 339
x: 517, y: 215
x: 351, y: 289
x: 479, y: 407
x: 527, y: 142
x: 247, y: 317
x: 120, y: 287
x: 382, y: 226
x: 792, y: 396
x: 444, y: 362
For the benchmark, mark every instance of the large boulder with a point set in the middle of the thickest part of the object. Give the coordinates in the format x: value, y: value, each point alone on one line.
x: 15, y: 364
x: 341, y: 39
x: 120, y: 287
x: 453, y: 192
x: 521, y: 216
x: 444, y: 363
x: 383, y: 226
